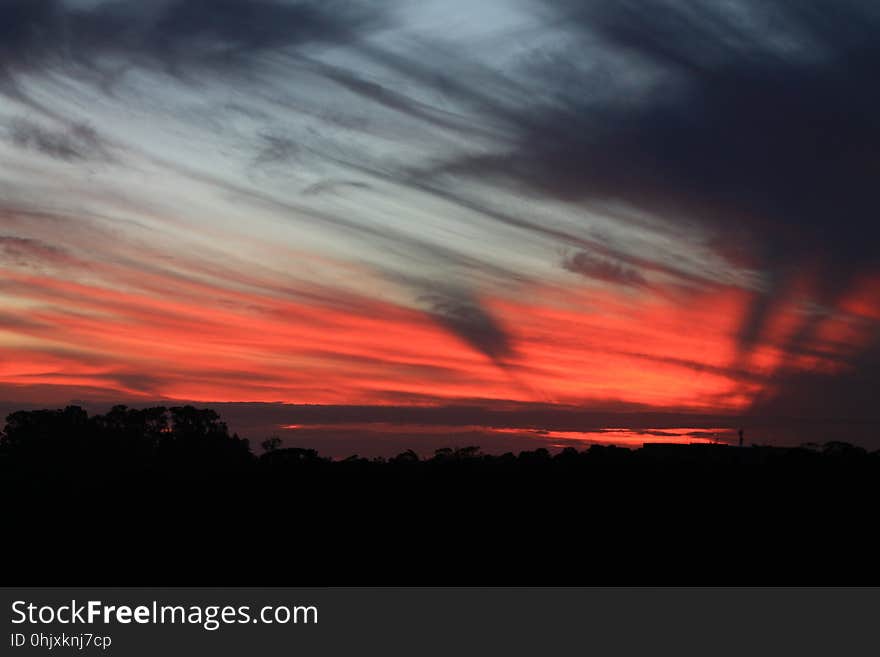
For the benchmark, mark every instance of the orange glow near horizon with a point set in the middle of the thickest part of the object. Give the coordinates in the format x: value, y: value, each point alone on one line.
x: 618, y: 436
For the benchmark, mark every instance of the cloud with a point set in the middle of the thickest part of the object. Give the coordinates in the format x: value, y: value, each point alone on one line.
x: 27, y: 252
x: 700, y: 367
x: 464, y: 316
x: 78, y: 142
x: 530, y: 420
x: 687, y: 150
x: 10, y: 322
x: 23, y: 37
x: 603, y: 269
x: 171, y: 34
x: 846, y: 393
x: 755, y: 121
x: 326, y: 186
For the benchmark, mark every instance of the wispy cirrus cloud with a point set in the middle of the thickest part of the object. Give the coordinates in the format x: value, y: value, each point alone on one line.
x: 603, y: 269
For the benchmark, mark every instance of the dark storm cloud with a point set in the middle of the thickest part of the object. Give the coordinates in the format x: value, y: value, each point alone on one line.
x: 464, y: 316
x: 610, y: 271
x: 170, y: 33
x: 762, y: 128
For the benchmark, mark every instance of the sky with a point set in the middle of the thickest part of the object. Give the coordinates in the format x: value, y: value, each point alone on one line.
x: 527, y: 222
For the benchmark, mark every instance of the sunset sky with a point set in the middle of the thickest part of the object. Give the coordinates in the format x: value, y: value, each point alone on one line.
x: 506, y: 220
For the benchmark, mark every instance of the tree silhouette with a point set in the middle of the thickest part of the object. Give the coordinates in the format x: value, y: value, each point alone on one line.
x: 183, y: 495
x: 271, y: 444
x: 409, y: 456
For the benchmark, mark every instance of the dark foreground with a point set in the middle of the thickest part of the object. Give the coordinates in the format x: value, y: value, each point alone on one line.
x: 157, y: 498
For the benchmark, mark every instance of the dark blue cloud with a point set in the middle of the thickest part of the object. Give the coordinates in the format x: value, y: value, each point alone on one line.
x: 466, y: 317
x: 762, y: 129
x: 172, y: 34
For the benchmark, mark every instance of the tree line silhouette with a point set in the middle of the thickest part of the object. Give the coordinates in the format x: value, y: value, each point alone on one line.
x: 195, y: 440
x: 169, y: 496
